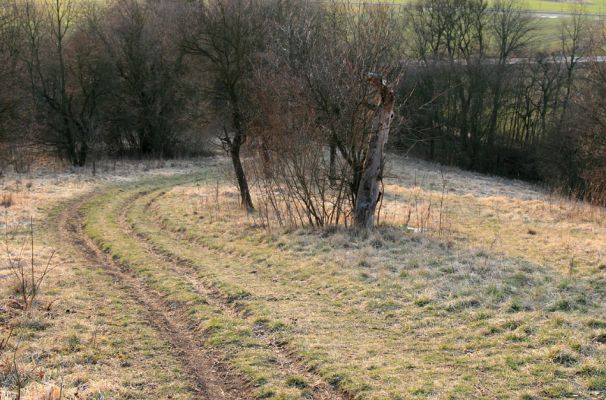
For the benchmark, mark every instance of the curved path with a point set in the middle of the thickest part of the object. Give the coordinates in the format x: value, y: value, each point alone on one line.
x: 210, y: 379
x: 212, y: 376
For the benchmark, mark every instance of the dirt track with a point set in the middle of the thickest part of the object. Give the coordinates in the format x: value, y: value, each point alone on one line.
x: 210, y: 377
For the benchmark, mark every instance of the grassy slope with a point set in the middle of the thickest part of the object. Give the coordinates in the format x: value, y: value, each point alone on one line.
x: 478, y: 308
x: 94, y: 341
x: 396, y: 315
x: 393, y: 316
x: 507, y: 217
x: 235, y: 337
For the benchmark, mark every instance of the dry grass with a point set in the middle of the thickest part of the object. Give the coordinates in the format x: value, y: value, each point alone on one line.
x: 399, y: 314
x: 7, y: 200
x: 83, y: 333
x: 474, y: 287
x: 501, y: 216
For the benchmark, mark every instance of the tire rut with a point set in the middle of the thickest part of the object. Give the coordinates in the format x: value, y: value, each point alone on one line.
x: 211, y: 379
x: 184, y: 268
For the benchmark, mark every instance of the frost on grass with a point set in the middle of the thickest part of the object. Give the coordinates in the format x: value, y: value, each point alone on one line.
x: 452, y: 311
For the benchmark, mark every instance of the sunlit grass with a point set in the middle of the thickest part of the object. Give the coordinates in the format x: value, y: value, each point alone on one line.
x: 497, y: 292
x: 396, y: 314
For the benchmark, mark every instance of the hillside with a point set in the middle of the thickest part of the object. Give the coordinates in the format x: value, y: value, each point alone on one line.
x: 162, y: 287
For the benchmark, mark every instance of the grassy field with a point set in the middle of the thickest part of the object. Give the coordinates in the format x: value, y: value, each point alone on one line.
x: 549, y: 19
x: 592, y: 7
x: 473, y: 287
x: 570, y: 6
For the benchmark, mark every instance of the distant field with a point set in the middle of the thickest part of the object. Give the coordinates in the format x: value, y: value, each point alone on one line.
x: 593, y: 7
x: 549, y: 16
x: 596, y: 6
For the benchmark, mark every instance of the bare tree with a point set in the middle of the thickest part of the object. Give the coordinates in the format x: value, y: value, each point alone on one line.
x: 352, y: 41
x: 148, y: 98
x: 295, y: 175
x: 227, y: 35
x: 13, y: 100
x: 451, y: 39
x: 8, y: 57
x: 316, y: 121
x: 511, y: 29
x: 66, y: 75
x: 369, y: 191
x: 574, y: 44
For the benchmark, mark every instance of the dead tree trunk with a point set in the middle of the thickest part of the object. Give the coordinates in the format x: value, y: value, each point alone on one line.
x: 369, y: 192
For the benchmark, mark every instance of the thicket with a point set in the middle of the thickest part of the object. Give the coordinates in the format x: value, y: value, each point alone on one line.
x: 282, y: 86
x: 485, y: 94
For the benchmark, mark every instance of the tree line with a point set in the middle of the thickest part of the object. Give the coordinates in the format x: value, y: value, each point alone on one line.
x: 487, y: 94
x: 296, y: 92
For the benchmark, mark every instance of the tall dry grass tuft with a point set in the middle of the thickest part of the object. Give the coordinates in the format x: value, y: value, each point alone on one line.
x: 418, y: 210
x: 29, y: 274
x: 312, y: 200
x: 7, y: 200
x: 17, y: 377
x: 300, y: 192
x: 4, y: 340
x: 22, y: 266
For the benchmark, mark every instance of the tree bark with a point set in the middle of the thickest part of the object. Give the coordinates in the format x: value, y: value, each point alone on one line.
x: 234, y: 146
x: 369, y: 192
x: 245, y: 197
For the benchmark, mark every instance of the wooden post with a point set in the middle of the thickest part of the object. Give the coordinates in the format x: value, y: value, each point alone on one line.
x: 369, y: 192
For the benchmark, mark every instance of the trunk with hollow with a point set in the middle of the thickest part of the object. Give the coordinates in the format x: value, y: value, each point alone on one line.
x: 369, y: 192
